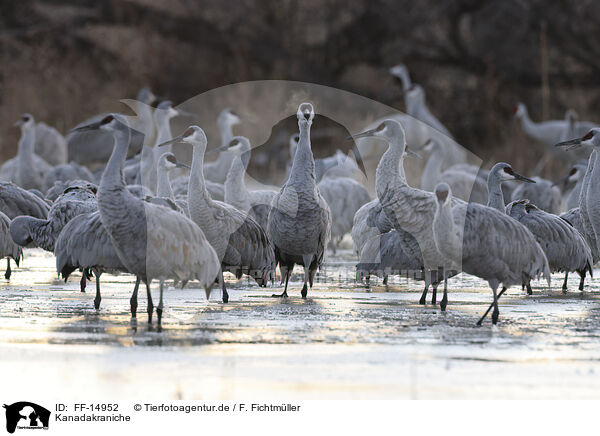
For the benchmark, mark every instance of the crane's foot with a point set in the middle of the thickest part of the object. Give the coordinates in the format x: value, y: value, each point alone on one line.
x: 422, y: 300
x: 564, y: 289
x: 304, y: 291
x: 282, y: 295
x: 82, y: 283
x: 225, y: 296
x: 8, y: 270
x: 581, y: 283
x: 159, y: 313
x: 385, y: 280
x: 495, y: 315
x: 529, y: 291
x: 97, y: 303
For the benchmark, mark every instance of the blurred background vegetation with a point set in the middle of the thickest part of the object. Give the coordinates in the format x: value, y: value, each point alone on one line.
x: 66, y: 60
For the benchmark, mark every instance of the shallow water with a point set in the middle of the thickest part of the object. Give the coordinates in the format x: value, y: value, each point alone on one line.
x: 345, y: 341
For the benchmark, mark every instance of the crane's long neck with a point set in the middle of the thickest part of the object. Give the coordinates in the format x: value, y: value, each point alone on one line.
x: 495, y: 195
x: 389, y: 176
x: 148, y: 168
x: 303, y: 165
x: 236, y: 192
x: 163, y: 187
x: 199, y: 200
x: 432, y: 170
x: 113, y: 173
x: 163, y: 131
x: 444, y: 233
x: 144, y: 113
x: 226, y: 130
x: 25, y: 157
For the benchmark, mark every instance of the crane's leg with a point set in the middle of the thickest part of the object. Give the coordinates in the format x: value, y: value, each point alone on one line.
x: 159, y: 308
x: 529, y: 291
x: 434, y: 292
x: 8, y: 271
x: 98, y: 297
x: 385, y: 279
x: 133, y: 303
x: 564, y: 287
x: 582, y: 281
x: 225, y: 294
x: 491, y: 305
x: 82, y: 282
x: 287, y: 273
x: 444, y: 301
x: 496, y: 311
x: 423, y: 299
x: 150, y: 307
x: 307, y: 259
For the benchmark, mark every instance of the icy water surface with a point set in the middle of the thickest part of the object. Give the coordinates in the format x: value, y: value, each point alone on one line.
x: 345, y: 341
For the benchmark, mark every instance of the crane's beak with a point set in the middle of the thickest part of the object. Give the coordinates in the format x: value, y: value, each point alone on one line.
x: 183, y: 113
x: 411, y: 153
x: 87, y: 127
x: 571, y: 144
x: 365, y: 134
x: 171, y: 141
x: 19, y: 123
x: 182, y: 165
x: 522, y: 178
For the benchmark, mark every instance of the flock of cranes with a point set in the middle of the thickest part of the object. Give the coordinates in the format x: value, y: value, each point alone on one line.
x: 159, y: 219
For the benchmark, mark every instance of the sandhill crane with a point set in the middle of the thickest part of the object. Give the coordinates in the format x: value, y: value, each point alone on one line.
x: 408, y: 208
x: 300, y: 220
x: 43, y: 232
x: 27, y: 169
x: 257, y: 203
x: 573, y: 218
x: 152, y: 241
x: 486, y: 243
x: 345, y: 196
x: 565, y: 248
x: 241, y: 244
x: 85, y: 244
x: 59, y: 187
x: 216, y: 171
x: 8, y: 248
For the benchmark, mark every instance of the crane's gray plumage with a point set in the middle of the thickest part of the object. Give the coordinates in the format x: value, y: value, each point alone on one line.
x: 257, y: 203
x: 565, y: 248
x: 542, y: 194
x: 486, y: 243
x: 497, y: 176
x: 16, y: 201
x: 300, y: 220
x: 85, y: 244
x: 153, y: 242
x: 572, y: 184
x: 43, y: 232
x: 67, y: 173
x: 241, y: 244
x: 345, y: 196
x: 391, y: 253
x: 59, y: 187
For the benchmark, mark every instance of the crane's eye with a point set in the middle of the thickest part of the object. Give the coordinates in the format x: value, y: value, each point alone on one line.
x: 107, y: 119
x: 588, y: 135
x: 573, y: 171
x: 234, y: 143
x: 171, y: 158
x: 188, y: 132
x: 380, y: 127
x: 508, y: 170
